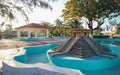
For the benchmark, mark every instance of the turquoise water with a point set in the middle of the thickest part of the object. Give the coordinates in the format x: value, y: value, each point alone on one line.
x: 107, y: 41
x: 38, y: 54
x: 38, y: 57
x: 35, y: 54
x: 29, y: 39
x: 109, y: 71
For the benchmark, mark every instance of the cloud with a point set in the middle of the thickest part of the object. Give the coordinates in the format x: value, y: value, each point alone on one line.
x: 41, y: 14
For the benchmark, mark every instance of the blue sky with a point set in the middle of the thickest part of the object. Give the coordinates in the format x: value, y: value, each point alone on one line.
x: 107, y: 21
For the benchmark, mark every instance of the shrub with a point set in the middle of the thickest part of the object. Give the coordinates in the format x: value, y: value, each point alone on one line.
x: 101, y: 36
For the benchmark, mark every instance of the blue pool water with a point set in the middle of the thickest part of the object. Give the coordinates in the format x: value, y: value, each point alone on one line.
x: 93, y: 65
x: 107, y: 40
x: 38, y: 54
x: 35, y: 54
x: 38, y: 57
x: 29, y: 39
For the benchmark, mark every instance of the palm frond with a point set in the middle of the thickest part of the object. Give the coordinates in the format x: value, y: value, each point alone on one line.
x: 10, y: 8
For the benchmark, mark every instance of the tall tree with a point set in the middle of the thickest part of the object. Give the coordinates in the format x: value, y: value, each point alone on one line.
x: 58, y: 28
x: 93, y: 10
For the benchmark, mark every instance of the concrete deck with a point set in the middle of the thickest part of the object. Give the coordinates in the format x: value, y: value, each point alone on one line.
x: 10, y: 44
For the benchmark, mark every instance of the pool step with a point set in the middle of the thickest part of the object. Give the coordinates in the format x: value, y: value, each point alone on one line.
x: 81, y: 49
x: 109, y: 55
x: 66, y: 47
x: 55, y: 53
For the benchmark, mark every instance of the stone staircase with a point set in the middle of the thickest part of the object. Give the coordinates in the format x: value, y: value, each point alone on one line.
x: 99, y: 49
x: 81, y: 49
x: 59, y: 48
x: 63, y: 49
x: 103, y: 49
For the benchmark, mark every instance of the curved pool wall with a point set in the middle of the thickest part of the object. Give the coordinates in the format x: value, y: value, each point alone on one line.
x: 33, y: 50
x: 115, y: 49
x: 35, y: 39
x: 91, y: 63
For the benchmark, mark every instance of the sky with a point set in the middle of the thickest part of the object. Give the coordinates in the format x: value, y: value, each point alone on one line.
x: 41, y: 14
x: 107, y: 21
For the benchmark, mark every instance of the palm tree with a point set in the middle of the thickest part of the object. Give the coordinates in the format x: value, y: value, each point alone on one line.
x: 9, y: 8
x: 58, y: 22
x: 45, y: 23
x: 59, y: 26
x: 75, y: 24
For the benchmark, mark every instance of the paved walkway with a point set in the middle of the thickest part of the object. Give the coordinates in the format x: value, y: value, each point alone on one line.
x: 10, y: 44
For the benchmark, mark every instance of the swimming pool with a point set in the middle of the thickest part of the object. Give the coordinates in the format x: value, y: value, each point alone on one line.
x: 93, y: 65
x: 38, y: 54
x: 35, y: 54
x: 107, y: 40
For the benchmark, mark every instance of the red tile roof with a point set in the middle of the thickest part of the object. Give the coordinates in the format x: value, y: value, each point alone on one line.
x: 33, y: 26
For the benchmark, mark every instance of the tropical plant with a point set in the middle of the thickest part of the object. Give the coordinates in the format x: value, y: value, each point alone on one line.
x: 45, y: 23
x: 75, y: 24
x: 8, y: 32
x: 92, y: 10
x: 58, y: 23
x: 97, y: 31
x: 59, y: 29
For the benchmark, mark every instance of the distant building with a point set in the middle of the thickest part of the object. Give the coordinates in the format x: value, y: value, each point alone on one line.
x: 108, y: 29
x: 116, y: 31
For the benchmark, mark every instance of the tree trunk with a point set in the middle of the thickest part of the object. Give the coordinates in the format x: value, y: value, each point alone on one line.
x: 90, y: 25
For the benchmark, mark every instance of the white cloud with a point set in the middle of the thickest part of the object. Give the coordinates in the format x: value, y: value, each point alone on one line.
x: 41, y: 14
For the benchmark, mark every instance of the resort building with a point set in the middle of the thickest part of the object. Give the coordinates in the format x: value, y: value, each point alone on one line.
x: 108, y: 29
x: 112, y: 30
x: 32, y: 27
x: 116, y: 31
x: 80, y: 32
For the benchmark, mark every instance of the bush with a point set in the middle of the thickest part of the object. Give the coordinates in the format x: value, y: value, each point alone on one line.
x: 101, y: 36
